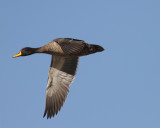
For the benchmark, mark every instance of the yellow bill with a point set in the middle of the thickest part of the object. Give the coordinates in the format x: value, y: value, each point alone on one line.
x: 19, y: 54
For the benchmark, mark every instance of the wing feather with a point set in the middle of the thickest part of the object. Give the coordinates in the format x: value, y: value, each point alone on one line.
x: 60, y: 76
x: 71, y: 46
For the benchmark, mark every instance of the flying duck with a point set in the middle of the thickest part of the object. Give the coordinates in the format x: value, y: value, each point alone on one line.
x: 65, y: 54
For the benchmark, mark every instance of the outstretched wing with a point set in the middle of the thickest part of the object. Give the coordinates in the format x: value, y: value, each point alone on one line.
x: 61, y: 74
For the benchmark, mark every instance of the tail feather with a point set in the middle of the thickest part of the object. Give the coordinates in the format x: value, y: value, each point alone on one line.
x: 95, y: 48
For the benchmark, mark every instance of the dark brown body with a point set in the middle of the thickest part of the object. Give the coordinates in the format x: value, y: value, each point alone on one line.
x: 69, y: 47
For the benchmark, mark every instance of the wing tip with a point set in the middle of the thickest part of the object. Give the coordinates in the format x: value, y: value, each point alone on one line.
x: 49, y: 114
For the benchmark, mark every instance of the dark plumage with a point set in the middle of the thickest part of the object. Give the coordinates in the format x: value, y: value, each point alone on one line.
x: 65, y: 54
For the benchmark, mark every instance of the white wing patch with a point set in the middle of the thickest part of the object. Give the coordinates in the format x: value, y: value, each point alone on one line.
x: 60, y: 78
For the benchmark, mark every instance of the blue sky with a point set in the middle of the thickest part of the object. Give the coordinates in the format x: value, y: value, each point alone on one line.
x: 118, y: 88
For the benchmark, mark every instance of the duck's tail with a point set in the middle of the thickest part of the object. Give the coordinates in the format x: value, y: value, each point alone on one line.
x: 95, y: 48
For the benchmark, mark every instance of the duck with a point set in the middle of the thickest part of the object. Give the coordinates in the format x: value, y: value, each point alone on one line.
x: 65, y: 54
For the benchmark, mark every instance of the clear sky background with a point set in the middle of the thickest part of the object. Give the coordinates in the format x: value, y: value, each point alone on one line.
x: 118, y: 88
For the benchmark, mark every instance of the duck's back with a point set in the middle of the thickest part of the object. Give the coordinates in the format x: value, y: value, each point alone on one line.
x: 71, y: 47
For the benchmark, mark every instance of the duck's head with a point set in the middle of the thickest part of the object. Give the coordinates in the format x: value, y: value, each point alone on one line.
x: 25, y: 52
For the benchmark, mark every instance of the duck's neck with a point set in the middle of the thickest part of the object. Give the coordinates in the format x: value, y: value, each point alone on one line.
x: 38, y: 50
